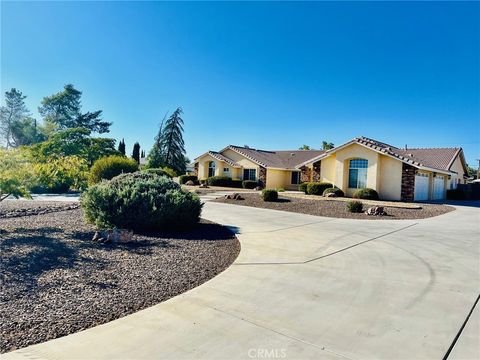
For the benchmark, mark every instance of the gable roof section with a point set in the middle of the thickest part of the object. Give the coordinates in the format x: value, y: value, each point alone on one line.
x: 220, y: 157
x: 284, y: 159
x: 439, y: 159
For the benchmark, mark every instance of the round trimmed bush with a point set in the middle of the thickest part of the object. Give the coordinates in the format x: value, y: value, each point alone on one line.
x: 250, y: 184
x: 355, y: 206
x: 303, y: 187
x: 317, y: 188
x: 334, y: 190
x: 142, y: 202
x: 366, y: 194
x: 224, y: 181
x: 269, y: 195
x: 108, y: 167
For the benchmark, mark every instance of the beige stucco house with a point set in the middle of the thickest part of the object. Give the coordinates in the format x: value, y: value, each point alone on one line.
x: 395, y: 173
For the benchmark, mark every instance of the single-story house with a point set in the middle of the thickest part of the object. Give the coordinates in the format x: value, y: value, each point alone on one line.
x: 406, y: 174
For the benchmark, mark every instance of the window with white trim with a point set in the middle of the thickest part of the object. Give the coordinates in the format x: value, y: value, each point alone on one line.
x: 357, y: 174
x: 249, y: 174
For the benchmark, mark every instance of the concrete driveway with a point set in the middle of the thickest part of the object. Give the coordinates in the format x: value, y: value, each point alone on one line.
x: 306, y: 287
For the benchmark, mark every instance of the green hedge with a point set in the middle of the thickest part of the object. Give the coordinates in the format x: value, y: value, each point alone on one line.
x: 366, y: 194
x: 249, y: 184
x: 303, y: 187
x: 334, y: 190
x: 219, y: 181
x: 185, y: 178
x: 108, y: 167
x: 140, y: 201
x: 317, y: 188
x: 355, y: 206
x: 269, y: 195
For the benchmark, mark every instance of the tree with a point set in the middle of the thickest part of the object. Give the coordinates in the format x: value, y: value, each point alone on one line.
x: 169, y: 148
x: 327, y: 145
x: 143, y: 154
x: 304, y: 147
x: 14, y: 111
x: 136, y: 152
x: 64, y: 110
x: 155, y: 157
x: 15, y: 174
x: 121, y: 147
x: 25, y: 132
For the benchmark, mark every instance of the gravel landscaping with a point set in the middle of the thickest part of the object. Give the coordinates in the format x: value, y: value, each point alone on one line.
x: 337, y: 209
x: 56, y: 281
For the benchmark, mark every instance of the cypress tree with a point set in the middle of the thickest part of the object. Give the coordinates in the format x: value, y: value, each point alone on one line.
x: 136, y: 152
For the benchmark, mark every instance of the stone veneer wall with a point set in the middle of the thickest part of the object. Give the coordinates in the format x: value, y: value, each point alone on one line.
x: 262, y: 176
x: 305, y: 173
x: 408, y: 183
x: 316, y: 171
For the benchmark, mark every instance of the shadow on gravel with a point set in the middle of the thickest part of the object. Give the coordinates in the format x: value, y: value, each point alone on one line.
x: 203, y: 231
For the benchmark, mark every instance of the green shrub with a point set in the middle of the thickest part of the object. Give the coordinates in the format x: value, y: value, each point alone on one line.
x: 140, y: 201
x: 281, y: 190
x: 157, y: 171
x: 303, y: 187
x: 334, y: 190
x: 185, y: 178
x: 60, y: 175
x: 366, y: 194
x: 108, y: 167
x: 249, y: 184
x: 317, y: 188
x: 170, y: 172
x: 269, y: 195
x: 236, y: 183
x: 355, y: 206
x: 219, y: 181
x: 456, y: 194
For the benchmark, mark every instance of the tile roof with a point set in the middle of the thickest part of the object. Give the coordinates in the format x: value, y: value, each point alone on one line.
x: 435, y: 158
x: 284, y: 159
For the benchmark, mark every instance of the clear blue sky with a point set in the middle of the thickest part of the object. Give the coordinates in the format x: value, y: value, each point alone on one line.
x: 270, y: 75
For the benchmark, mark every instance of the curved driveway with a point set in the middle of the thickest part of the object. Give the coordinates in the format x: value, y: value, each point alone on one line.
x: 307, y: 287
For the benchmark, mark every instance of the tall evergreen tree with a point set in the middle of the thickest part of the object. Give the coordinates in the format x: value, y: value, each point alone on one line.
x: 121, y: 147
x: 136, y: 152
x: 155, y: 157
x: 64, y: 110
x: 11, y: 115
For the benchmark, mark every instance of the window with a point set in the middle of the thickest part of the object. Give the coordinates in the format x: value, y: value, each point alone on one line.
x: 249, y: 174
x: 295, y: 177
x: 211, y: 168
x: 226, y: 169
x: 357, y: 175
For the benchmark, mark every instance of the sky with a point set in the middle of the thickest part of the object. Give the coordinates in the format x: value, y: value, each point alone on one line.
x: 270, y: 75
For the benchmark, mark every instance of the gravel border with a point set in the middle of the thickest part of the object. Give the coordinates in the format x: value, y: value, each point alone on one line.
x: 335, y: 209
x: 56, y: 281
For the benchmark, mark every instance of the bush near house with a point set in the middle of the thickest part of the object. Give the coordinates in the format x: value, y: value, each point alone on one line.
x: 366, y: 194
x: 249, y: 184
x: 303, y: 187
x: 269, y: 195
x: 108, y: 167
x: 140, y: 201
x: 317, y: 188
x: 456, y: 194
x: 237, y: 183
x: 355, y: 206
x: 334, y: 190
x: 184, y: 178
x: 219, y: 181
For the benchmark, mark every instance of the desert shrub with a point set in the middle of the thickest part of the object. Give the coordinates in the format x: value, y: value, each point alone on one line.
x: 249, y: 184
x: 303, y: 187
x: 269, y: 195
x: 140, y: 201
x: 334, y: 190
x: 60, y: 175
x: 236, y: 183
x: 355, y: 206
x: 366, y: 194
x: 456, y: 194
x: 219, y: 181
x: 108, y: 167
x: 317, y: 188
x: 184, y: 178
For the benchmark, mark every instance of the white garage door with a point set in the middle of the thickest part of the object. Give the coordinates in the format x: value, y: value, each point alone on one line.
x: 438, y: 187
x: 421, y: 187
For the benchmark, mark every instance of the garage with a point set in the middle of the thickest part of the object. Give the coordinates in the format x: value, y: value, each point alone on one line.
x: 438, y: 187
x: 421, y: 187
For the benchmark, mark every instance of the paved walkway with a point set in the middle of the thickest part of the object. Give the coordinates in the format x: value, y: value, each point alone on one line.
x: 306, y: 287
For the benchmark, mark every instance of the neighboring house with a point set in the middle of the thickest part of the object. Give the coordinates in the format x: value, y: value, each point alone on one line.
x: 396, y: 174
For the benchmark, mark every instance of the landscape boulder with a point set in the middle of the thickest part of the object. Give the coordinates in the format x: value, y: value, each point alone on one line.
x: 190, y: 183
x: 113, y: 236
x: 235, y: 196
x: 203, y: 186
x: 376, y: 211
x: 332, y: 195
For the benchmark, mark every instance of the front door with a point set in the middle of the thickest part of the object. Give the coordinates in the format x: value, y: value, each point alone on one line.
x: 211, y: 168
